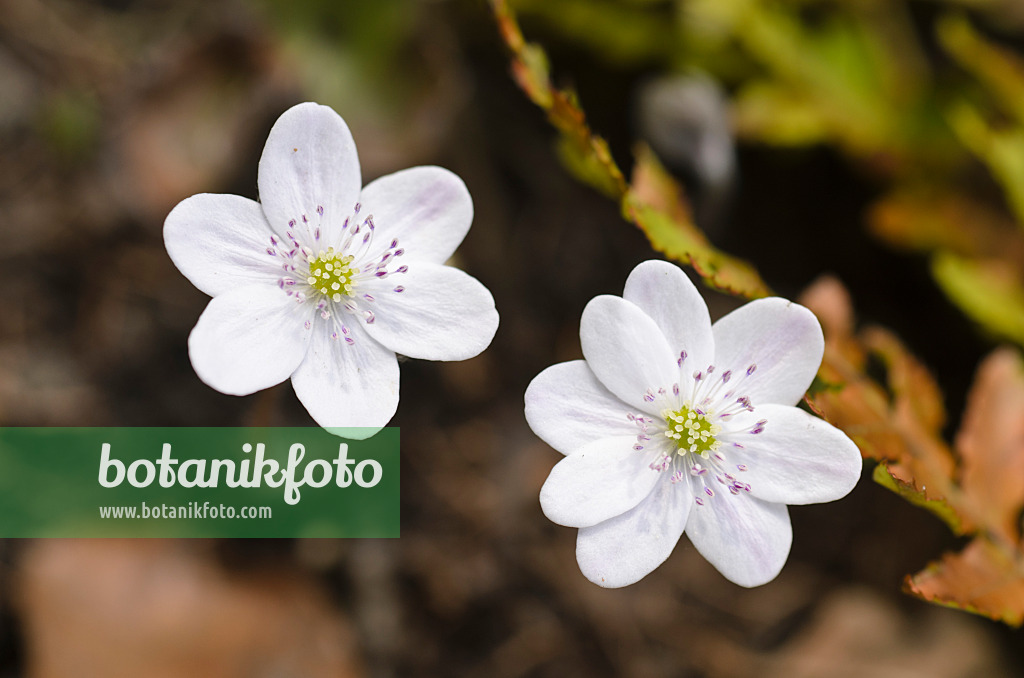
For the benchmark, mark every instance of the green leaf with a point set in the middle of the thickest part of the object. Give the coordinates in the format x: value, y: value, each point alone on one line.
x: 987, y: 290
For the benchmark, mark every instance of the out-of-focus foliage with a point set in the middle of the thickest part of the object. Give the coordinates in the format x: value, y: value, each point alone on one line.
x: 857, y: 75
x: 860, y: 76
x: 653, y: 200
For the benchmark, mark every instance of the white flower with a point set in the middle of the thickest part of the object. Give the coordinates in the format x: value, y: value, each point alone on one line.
x: 672, y: 425
x: 325, y: 280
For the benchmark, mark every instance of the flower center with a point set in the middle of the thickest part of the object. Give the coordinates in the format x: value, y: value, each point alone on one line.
x: 693, y: 430
x: 332, y: 274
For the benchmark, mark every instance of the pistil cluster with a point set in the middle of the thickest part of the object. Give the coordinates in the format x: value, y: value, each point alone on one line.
x: 693, y: 436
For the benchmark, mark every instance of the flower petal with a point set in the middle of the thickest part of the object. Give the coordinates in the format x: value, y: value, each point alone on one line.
x: 782, y: 339
x: 346, y: 385
x: 248, y: 339
x: 625, y: 549
x: 797, y: 458
x: 568, y: 407
x: 220, y: 242
x: 309, y: 162
x: 441, y: 313
x: 665, y: 293
x: 598, y: 481
x: 626, y: 350
x: 428, y: 209
x: 746, y: 539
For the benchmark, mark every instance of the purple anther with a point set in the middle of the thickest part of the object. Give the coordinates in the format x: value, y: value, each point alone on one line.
x: 401, y: 269
x: 750, y: 370
x: 399, y: 252
x: 316, y: 233
x: 304, y: 219
x: 394, y: 244
x: 381, y: 274
x: 369, y: 222
x: 359, y: 206
x: 349, y: 341
x: 708, y: 491
x: 675, y: 389
x: 369, y: 317
x: 725, y: 376
x: 638, y: 447
x: 700, y: 502
x: 369, y: 297
x: 345, y: 225
x: 308, y: 324
x: 399, y: 289
x: 711, y: 368
x: 320, y: 210
x: 271, y: 251
x: 291, y: 222
x: 334, y: 335
x: 741, y: 467
x: 697, y: 376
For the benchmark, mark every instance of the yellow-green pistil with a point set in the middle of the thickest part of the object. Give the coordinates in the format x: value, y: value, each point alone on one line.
x: 331, y: 274
x: 693, y: 431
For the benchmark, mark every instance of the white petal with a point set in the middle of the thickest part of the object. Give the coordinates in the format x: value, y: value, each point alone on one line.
x: 746, y: 539
x: 665, y: 293
x: 598, y: 481
x: 568, y: 407
x: 220, y: 242
x: 428, y: 209
x: 441, y: 314
x: 626, y: 350
x: 796, y: 459
x: 625, y: 549
x: 345, y: 386
x: 309, y: 161
x: 248, y: 339
x: 782, y: 339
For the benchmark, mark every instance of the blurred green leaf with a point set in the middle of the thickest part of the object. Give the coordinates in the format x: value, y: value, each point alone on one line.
x: 989, y: 291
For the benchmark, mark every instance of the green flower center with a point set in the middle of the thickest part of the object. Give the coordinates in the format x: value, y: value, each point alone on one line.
x: 331, y: 274
x: 692, y: 430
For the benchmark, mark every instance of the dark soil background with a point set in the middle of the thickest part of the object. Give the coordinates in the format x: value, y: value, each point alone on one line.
x: 112, y: 112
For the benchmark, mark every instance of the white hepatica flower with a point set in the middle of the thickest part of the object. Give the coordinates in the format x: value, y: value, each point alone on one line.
x: 325, y: 280
x: 672, y: 425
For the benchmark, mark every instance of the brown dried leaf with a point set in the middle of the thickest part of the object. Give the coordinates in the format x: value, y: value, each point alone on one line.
x: 982, y: 579
x: 925, y: 219
x: 991, y: 443
x: 912, y: 385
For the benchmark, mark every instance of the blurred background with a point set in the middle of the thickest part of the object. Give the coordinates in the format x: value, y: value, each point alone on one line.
x: 877, y: 141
